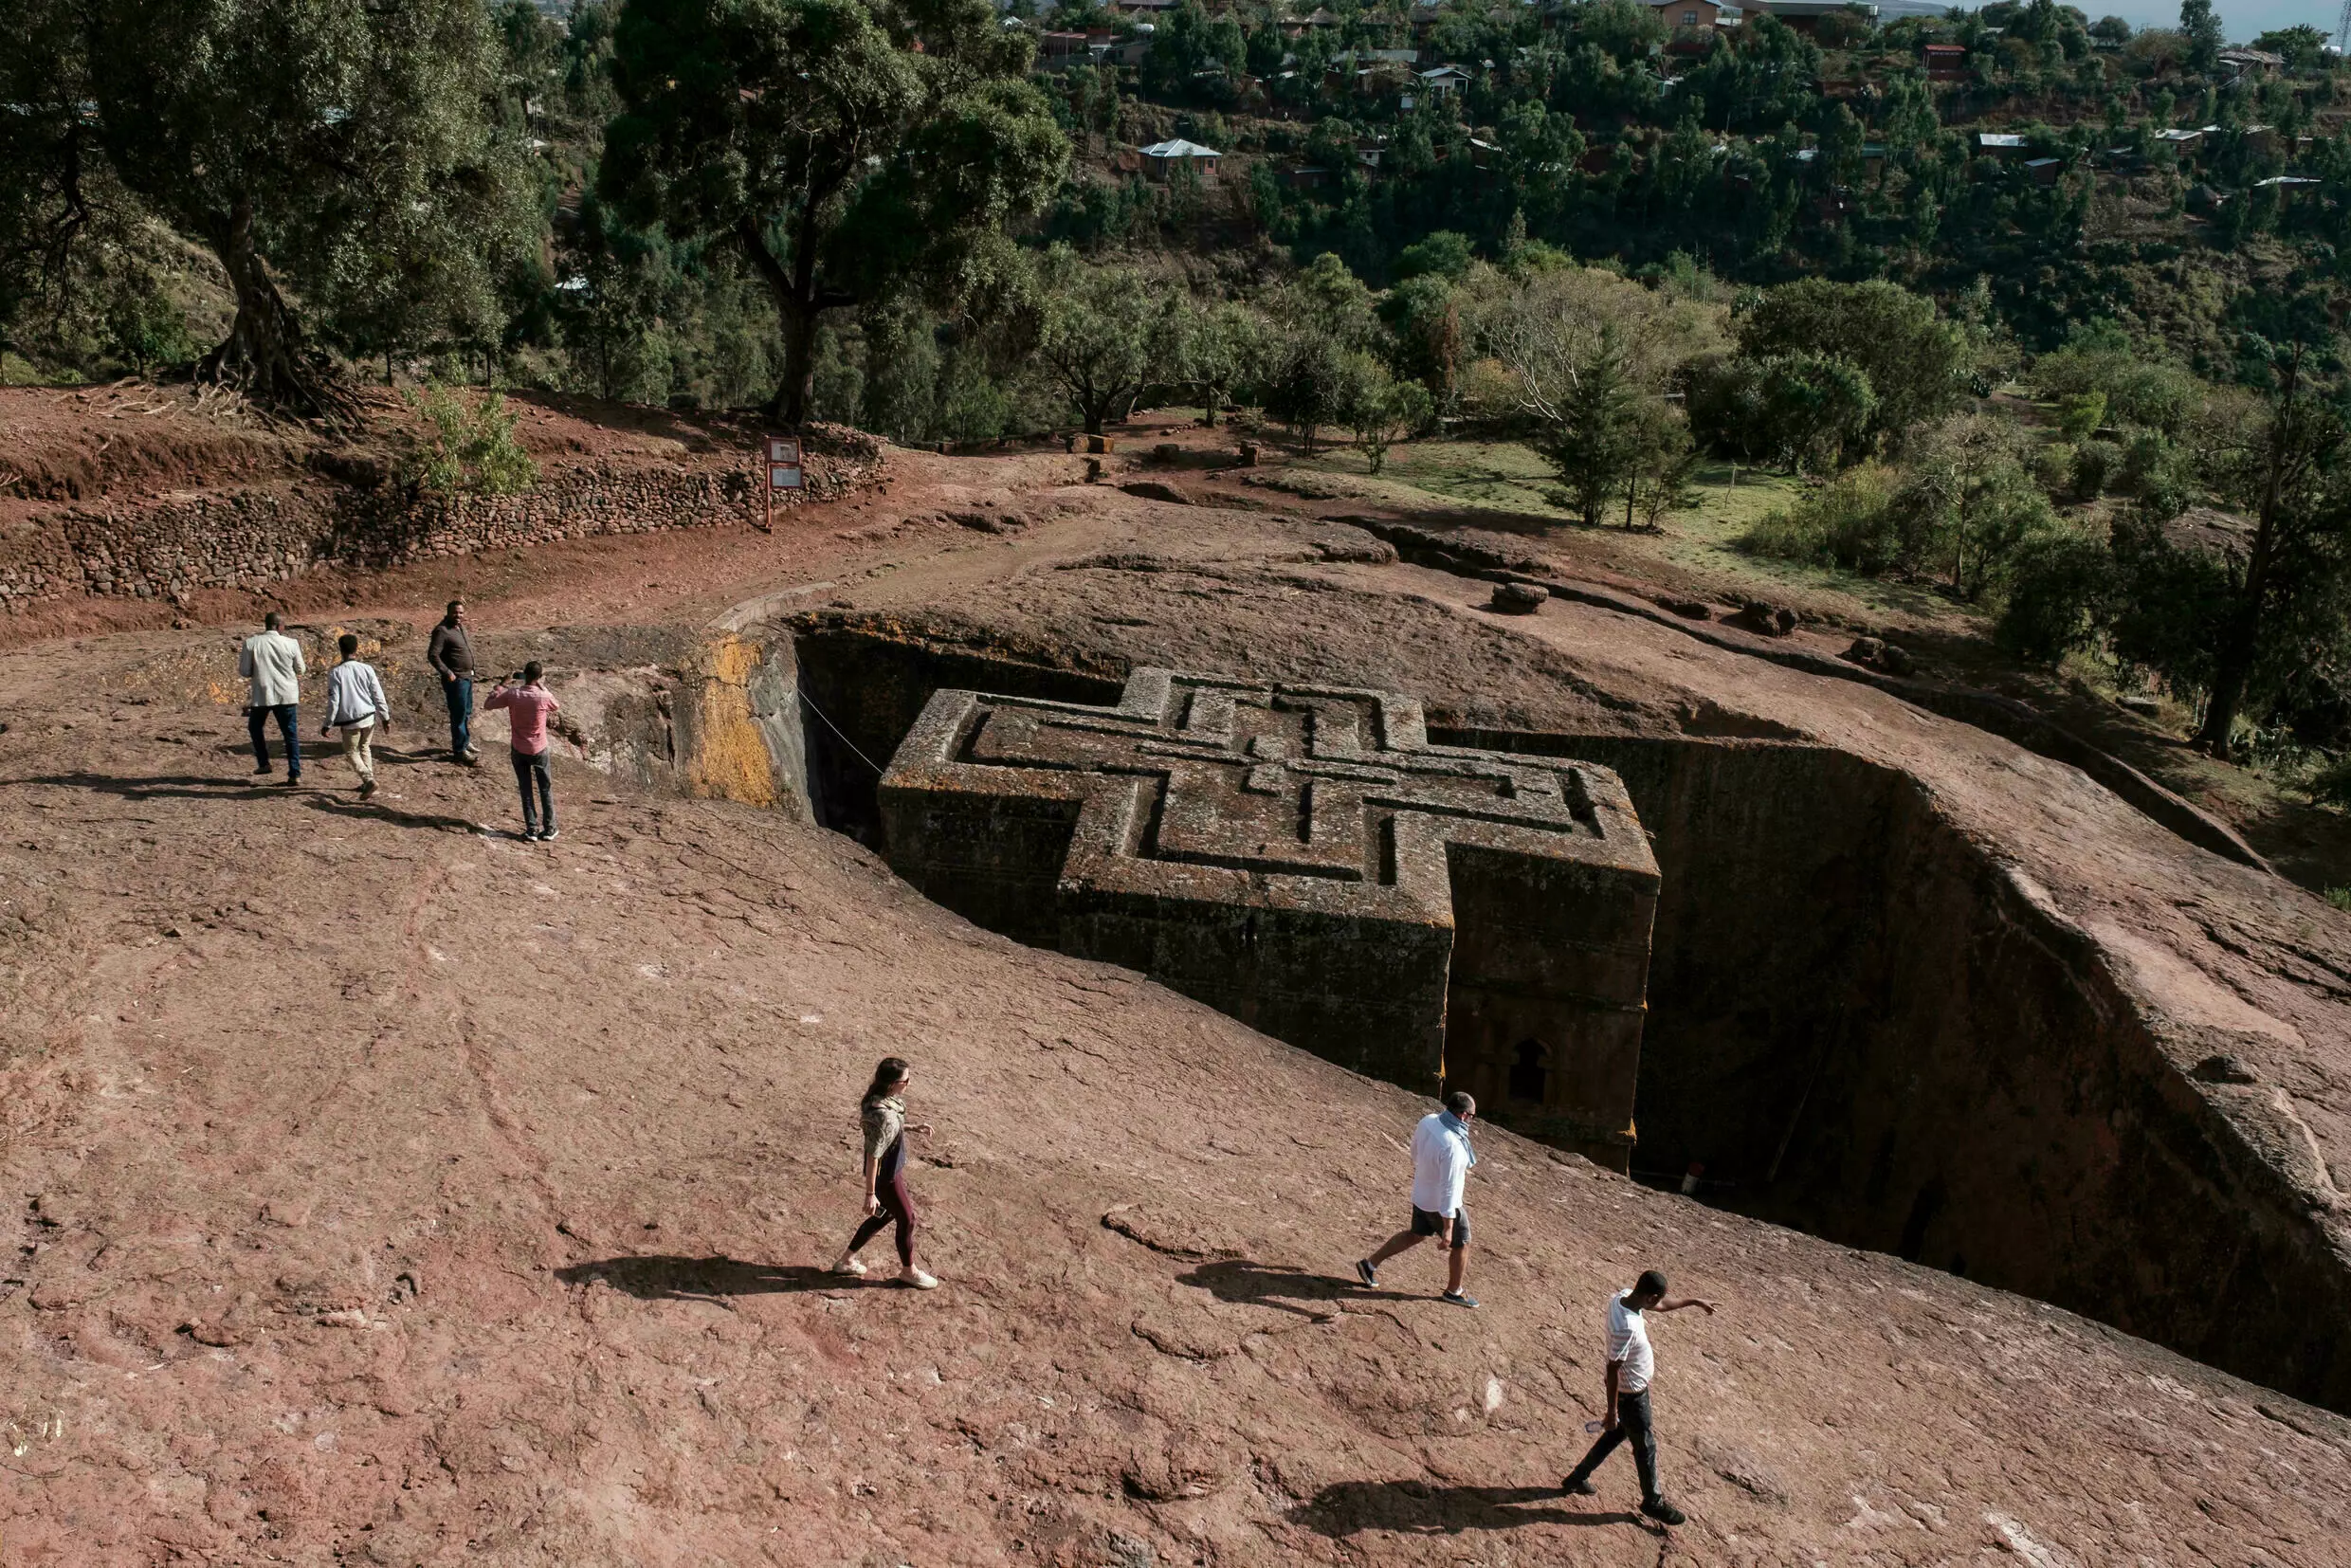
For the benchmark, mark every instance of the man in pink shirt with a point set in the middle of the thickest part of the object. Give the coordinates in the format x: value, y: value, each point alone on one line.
x: 528, y: 708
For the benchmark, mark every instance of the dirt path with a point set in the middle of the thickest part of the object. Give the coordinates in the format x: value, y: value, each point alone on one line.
x: 687, y: 574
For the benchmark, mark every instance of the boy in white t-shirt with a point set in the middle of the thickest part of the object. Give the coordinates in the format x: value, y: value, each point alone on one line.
x: 1631, y: 1365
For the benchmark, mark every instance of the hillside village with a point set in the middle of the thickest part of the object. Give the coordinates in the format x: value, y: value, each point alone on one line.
x: 1807, y: 134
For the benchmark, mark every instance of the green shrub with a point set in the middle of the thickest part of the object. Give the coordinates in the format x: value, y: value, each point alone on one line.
x: 2053, y: 467
x: 1968, y: 502
x: 1916, y: 364
x: 1960, y: 508
x: 2079, y: 415
x: 1314, y: 384
x: 468, y: 445
x: 1804, y: 412
x: 1847, y: 522
x: 975, y: 406
x: 2096, y: 464
x: 2172, y: 609
x: 149, y: 330
x: 2331, y: 786
x: 1382, y: 410
x: 2158, y: 474
x: 2135, y: 391
x: 2059, y: 585
x: 1444, y: 254
x: 2339, y: 898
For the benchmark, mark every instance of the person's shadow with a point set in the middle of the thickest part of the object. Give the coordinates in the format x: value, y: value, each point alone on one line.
x: 676, y: 1279
x: 1283, y: 1288
x: 1416, y: 1508
x: 207, y: 787
x: 352, y: 806
x: 166, y: 786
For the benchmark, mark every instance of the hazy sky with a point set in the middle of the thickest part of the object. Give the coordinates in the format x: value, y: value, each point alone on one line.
x: 2242, y: 18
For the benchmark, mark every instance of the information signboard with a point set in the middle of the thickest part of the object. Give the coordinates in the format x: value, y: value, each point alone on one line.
x: 783, y: 473
x: 783, y: 463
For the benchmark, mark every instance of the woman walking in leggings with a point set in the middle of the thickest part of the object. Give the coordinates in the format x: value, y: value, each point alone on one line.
x: 887, y: 1198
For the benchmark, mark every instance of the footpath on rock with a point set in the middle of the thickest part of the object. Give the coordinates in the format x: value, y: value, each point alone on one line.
x: 391, y: 1191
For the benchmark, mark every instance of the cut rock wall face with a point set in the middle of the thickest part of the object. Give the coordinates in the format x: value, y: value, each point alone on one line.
x: 1302, y: 859
x: 170, y: 546
x: 1864, y: 1025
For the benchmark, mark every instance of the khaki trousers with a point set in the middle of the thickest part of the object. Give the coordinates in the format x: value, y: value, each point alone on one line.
x: 356, y: 739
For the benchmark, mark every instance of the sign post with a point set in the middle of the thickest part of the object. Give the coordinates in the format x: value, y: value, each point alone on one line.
x: 783, y: 473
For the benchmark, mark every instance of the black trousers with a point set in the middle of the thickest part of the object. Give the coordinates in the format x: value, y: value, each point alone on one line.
x: 1632, y: 1421
x: 531, y: 767
x: 897, y: 1207
x: 289, y: 725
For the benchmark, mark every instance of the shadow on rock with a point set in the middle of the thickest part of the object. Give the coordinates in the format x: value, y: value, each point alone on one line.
x: 659, y: 1279
x: 352, y: 806
x: 169, y: 786
x: 1283, y: 1288
x: 1416, y: 1508
x: 319, y: 796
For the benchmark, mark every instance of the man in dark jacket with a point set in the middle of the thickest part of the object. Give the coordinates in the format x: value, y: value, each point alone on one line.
x: 451, y: 657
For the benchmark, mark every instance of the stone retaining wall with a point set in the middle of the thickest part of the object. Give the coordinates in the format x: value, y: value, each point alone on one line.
x: 168, y: 546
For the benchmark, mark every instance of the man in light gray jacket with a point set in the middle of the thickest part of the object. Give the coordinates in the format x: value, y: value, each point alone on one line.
x: 272, y: 661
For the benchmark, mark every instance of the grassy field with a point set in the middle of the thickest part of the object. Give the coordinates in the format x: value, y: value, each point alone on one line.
x: 1509, y: 481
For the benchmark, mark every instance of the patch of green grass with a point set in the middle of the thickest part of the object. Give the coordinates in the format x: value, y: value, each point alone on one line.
x: 2339, y: 898
x: 1703, y: 537
x: 1487, y: 473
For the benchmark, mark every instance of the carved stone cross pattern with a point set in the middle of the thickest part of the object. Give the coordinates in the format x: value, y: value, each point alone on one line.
x: 1303, y: 858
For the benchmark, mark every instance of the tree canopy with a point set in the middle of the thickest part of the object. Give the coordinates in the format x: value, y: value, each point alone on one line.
x: 1581, y: 359
x: 1917, y: 364
x: 339, y: 147
x: 1103, y: 335
x: 842, y: 163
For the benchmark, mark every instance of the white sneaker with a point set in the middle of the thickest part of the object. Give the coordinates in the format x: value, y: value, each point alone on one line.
x: 911, y: 1275
x: 849, y: 1264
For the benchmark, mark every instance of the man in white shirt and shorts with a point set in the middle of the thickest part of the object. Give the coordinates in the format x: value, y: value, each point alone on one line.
x: 1441, y: 1161
x: 1631, y: 1365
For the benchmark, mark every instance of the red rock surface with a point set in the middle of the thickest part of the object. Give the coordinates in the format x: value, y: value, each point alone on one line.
x: 393, y: 1191
x: 388, y: 1190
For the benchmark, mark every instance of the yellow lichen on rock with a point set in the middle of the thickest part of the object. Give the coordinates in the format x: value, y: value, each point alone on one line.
x: 728, y: 756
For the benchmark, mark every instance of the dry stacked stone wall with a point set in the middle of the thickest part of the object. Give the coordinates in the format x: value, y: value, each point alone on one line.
x: 171, y: 545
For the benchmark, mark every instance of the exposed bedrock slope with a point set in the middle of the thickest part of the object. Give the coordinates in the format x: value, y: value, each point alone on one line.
x: 1869, y: 1015
x: 1865, y: 1025
x: 393, y: 1193
x: 1913, y: 988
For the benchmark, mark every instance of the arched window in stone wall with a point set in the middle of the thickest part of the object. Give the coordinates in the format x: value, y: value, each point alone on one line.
x: 1530, y: 1071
